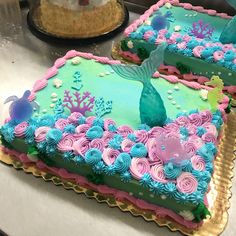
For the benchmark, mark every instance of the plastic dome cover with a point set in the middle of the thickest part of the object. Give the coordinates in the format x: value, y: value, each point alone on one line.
x: 78, y: 18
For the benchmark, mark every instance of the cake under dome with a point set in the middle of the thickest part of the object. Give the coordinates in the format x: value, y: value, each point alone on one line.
x: 78, y: 18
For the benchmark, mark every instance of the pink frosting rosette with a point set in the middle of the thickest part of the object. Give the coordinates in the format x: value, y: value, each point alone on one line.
x: 198, y: 163
x: 182, y: 121
x: 195, y: 119
x: 74, y: 117
x: 107, y: 136
x: 66, y: 143
x: 206, y: 116
x: 155, y: 132
x: 172, y: 127
x: 192, y: 129
x: 186, y: 183
x: 190, y: 148
x: 40, y: 133
x: 209, y: 137
x: 152, y: 147
x: 141, y: 136
x: 81, y: 146
x: 61, y: 124
x: 210, y: 128
x: 218, y: 55
x: 109, y: 155
x: 124, y: 130
x: 148, y: 34
x: 138, y: 167
x: 126, y: 145
x: 187, y: 38
x: 160, y: 39
x: 90, y: 120
x: 197, y: 141
x: 98, y: 144
x: 20, y: 129
x: 158, y: 174
x: 197, y: 51
x: 173, y: 135
x: 181, y: 45
x: 108, y: 122
x: 82, y: 129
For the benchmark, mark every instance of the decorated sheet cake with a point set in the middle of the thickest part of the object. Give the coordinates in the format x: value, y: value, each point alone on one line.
x: 126, y: 131
x: 201, y: 42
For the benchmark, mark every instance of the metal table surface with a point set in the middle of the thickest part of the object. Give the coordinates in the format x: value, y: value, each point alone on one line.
x: 29, y: 206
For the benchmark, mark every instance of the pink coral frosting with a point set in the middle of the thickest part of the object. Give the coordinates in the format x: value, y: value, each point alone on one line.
x: 138, y: 167
x: 186, y: 183
x: 40, y: 133
x: 20, y: 129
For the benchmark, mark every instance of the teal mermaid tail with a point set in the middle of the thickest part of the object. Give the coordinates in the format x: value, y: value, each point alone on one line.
x: 151, y: 106
x: 229, y: 33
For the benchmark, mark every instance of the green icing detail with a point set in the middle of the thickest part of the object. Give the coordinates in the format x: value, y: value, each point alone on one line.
x: 124, y: 46
x: 201, y: 213
x: 33, y: 151
x: 143, y: 53
x: 95, y: 179
x: 183, y: 68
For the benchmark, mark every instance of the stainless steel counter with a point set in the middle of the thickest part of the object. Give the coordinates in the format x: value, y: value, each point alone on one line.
x: 29, y: 206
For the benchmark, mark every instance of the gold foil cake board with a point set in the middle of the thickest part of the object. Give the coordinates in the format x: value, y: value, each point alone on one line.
x: 218, y: 197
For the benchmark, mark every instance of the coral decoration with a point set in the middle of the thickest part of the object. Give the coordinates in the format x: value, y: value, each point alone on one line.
x: 102, y: 108
x: 201, y: 30
x: 81, y: 103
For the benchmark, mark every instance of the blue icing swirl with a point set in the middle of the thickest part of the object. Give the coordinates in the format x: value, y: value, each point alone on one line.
x: 187, y: 166
x: 184, y: 131
x: 180, y: 114
x: 8, y: 133
x: 181, y: 197
x: 193, y: 111
x: 211, y: 146
x: 171, y: 171
x: 206, y: 153
x: 69, y: 129
x: 47, y: 120
x: 126, y: 177
x: 94, y: 132
x: 98, y: 122
x: 99, y: 167
x: 112, y: 128
x: 188, y: 52
x: 81, y: 120
x: 132, y: 137
x: 122, y: 162
x: 202, y: 187
x: 152, y: 39
x: 29, y: 132
x: 229, y: 55
x: 156, y: 187
x: 138, y: 150
x: 42, y: 146
x: 115, y: 142
x: 206, y: 176
x: 93, y: 156
x: 78, y: 160
x: 144, y: 127
x: 200, y: 131
x: 110, y: 170
x: 179, y: 40
x: 196, y: 197
x: 210, y: 167
x: 53, y: 136
x: 67, y: 156
x: 168, y: 121
x: 172, y: 48
x: 210, y: 59
x: 170, y: 189
x: 192, y: 44
x: 146, y: 180
x: 50, y: 150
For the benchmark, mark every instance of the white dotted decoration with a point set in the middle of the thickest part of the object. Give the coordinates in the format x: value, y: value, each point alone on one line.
x: 190, y: 15
x: 168, y: 5
x: 173, y: 102
x: 102, y: 74
x: 177, y: 28
x: 36, y: 115
x: 130, y: 44
x: 163, y: 197
x: 44, y: 111
x: 186, y: 15
x: 54, y: 100
x: 170, y: 97
x: 52, y: 105
x: 147, y: 22
x: 57, y: 83
x: 152, y: 195
x: 176, y: 88
x: 131, y: 194
x: 219, y: 73
x: 75, y: 61
x: 195, y: 14
x: 213, y: 72
x: 107, y: 73
x: 178, y: 107
x: 53, y: 95
x: 140, y: 193
x: 184, y: 111
x: 169, y: 91
x: 112, y: 71
x: 230, y: 74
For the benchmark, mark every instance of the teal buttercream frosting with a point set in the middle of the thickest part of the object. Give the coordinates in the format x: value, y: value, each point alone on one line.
x: 98, y: 122
x: 211, y: 146
x: 110, y: 170
x: 122, y: 162
x: 138, y: 150
x: 69, y: 129
x: 112, y: 128
x: 8, y: 133
x: 202, y: 187
x: 196, y: 197
x: 94, y: 132
x: 50, y: 150
x: 200, y: 131
x: 99, y: 167
x: 132, y: 137
x: 126, y: 177
x: 198, y: 174
x: 146, y: 180
x: 210, y: 167
x: 81, y: 120
x: 53, y: 136
x: 181, y: 197
x: 93, y: 156
x: 78, y: 160
x: 42, y: 146
x: 206, y: 153
x: 47, y: 120
x: 115, y: 142
x: 67, y: 156
x: 171, y: 171
x: 156, y: 187
x: 187, y: 165
x: 170, y: 189
x: 144, y: 127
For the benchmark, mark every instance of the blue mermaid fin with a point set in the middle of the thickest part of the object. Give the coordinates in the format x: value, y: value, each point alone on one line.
x: 229, y: 32
x: 151, y: 106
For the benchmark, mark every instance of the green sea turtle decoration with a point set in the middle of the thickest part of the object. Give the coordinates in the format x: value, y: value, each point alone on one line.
x: 21, y: 109
x: 151, y: 106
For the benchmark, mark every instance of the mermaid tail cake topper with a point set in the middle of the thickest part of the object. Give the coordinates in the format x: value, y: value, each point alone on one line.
x: 229, y: 33
x: 151, y: 106
x: 21, y: 109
